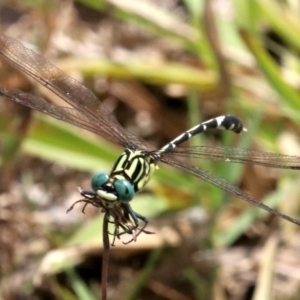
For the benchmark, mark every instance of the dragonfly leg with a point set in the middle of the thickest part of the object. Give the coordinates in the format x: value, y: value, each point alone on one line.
x: 88, y: 194
x: 129, y: 212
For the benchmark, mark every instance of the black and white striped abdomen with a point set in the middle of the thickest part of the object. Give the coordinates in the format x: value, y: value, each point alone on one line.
x: 227, y: 122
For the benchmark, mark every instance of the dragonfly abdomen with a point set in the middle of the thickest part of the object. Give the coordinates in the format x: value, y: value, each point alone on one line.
x: 227, y: 122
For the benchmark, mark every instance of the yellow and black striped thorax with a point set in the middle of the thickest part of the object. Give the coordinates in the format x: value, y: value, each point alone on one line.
x: 134, y: 166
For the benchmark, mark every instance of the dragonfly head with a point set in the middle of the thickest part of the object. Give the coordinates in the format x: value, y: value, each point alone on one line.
x: 112, y: 189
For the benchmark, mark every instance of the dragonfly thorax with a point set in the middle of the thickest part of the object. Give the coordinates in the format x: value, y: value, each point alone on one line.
x: 131, y: 172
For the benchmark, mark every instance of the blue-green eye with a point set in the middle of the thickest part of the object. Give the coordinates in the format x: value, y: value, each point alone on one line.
x: 98, y: 180
x: 124, y: 190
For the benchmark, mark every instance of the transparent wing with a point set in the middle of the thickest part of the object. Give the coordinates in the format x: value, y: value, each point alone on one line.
x: 238, y: 155
x: 227, y: 187
x: 88, y: 107
x: 67, y: 114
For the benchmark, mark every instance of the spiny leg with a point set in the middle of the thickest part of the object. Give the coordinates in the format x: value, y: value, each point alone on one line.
x: 136, y: 217
x: 86, y: 201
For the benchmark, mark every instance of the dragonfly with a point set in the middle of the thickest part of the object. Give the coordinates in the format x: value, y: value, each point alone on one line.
x: 114, y: 192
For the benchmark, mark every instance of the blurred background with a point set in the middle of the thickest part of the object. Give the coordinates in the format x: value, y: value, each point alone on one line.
x: 161, y: 67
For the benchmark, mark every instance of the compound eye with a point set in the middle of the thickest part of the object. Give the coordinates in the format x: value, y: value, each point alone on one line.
x: 124, y: 190
x: 99, y: 180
